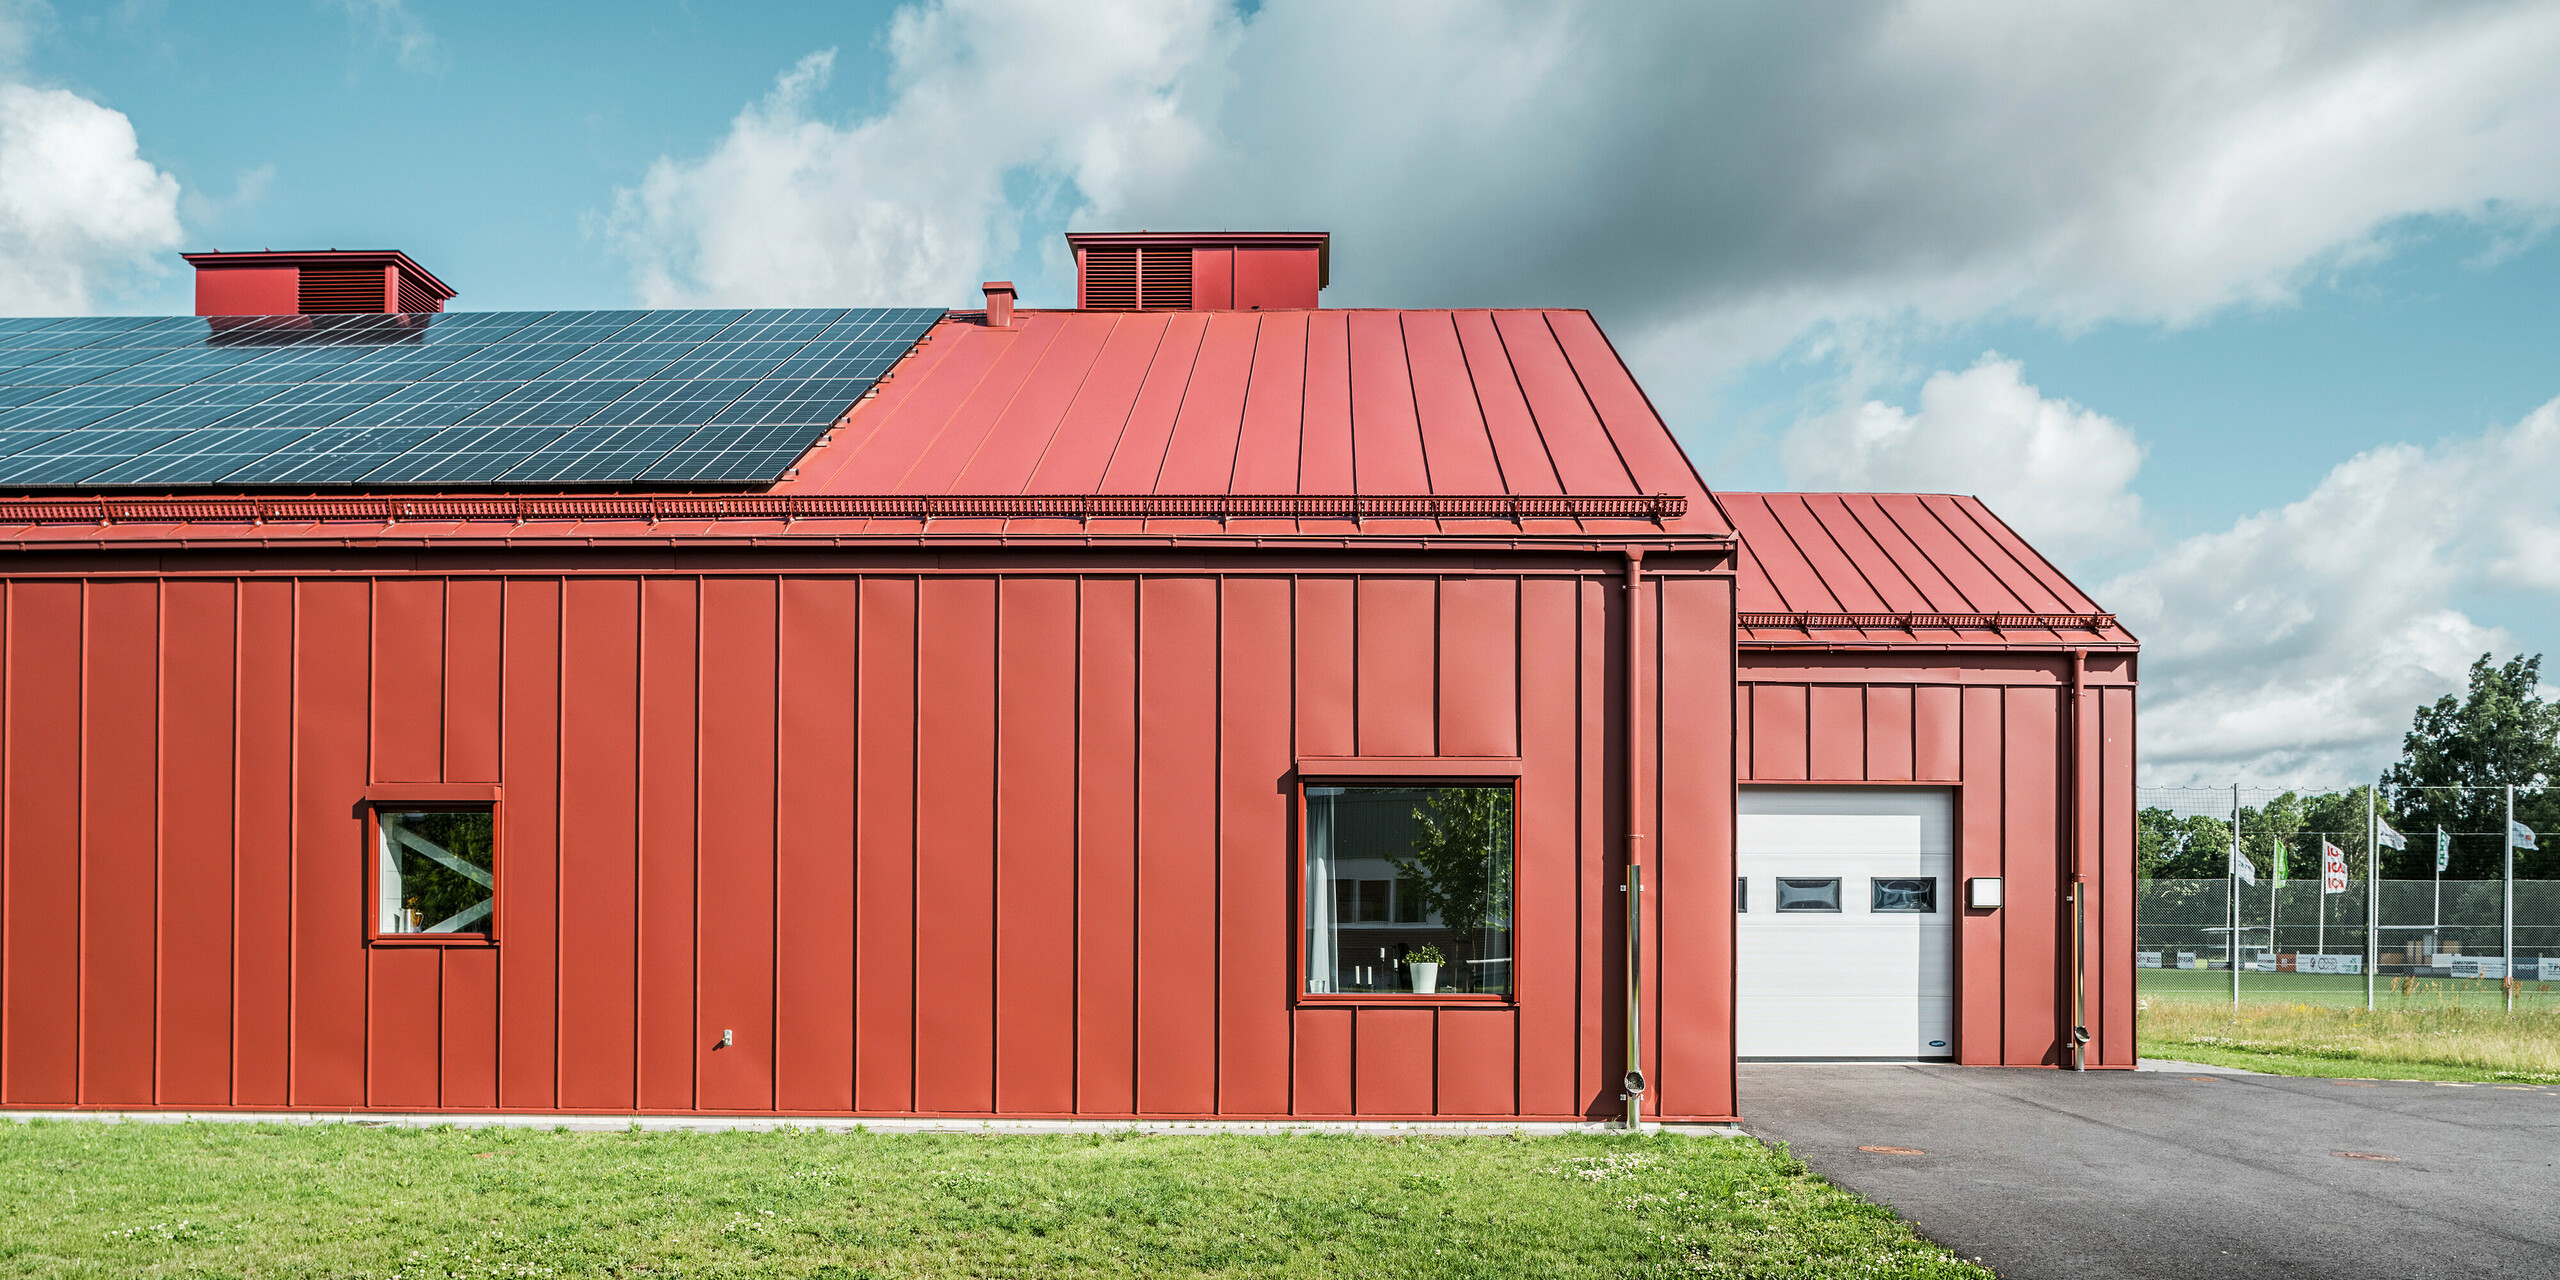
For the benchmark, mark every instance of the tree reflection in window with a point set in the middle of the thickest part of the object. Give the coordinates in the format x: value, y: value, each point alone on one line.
x: 438, y: 872
x: 1395, y: 869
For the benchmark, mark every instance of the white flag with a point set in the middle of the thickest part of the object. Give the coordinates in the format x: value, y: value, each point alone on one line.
x: 2333, y: 868
x: 2520, y: 834
x: 2444, y: 850
x: 2240, y: 867
x: 2389, y: 838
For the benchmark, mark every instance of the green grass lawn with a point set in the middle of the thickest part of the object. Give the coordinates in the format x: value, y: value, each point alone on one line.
x: 2340, y: 990
x: 91, y: 1199
x: 2412, y: 1033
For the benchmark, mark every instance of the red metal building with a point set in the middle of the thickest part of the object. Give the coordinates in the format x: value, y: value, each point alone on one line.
x: 970, y: 767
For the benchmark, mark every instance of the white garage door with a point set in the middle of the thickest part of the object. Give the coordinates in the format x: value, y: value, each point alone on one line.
x: 1846, y: 938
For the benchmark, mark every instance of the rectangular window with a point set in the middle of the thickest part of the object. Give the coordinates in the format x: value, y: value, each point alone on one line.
x: 1808, y: 895
x: 1409, y: 889
x: 1741, y: 894
x: 1906, y: 893
x: 437, y: 872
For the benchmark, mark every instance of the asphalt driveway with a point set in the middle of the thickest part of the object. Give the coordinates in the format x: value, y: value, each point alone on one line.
x: 2185, y: 1174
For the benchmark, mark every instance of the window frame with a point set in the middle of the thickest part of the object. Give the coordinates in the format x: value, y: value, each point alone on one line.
x: 1875, y: 889
x: 1839, y: 896
x: 433, y: 798
x: 1410, y: 771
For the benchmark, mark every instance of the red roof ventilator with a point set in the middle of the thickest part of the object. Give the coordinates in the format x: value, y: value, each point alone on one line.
x: 1200, y: 270
x: 334, y: 281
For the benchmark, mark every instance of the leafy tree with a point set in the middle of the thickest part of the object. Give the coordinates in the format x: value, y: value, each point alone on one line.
x: 2169, y: 847
x: 2499, y: 733
x: 1460, y: 866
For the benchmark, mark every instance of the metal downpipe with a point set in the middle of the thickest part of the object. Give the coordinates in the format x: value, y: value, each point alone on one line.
x: 1632, y: 1084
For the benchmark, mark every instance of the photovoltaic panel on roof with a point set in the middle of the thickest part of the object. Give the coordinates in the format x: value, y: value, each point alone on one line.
x: 452, y: 400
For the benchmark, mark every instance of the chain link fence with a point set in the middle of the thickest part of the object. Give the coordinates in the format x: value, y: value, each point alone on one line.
x: 2446, y: 914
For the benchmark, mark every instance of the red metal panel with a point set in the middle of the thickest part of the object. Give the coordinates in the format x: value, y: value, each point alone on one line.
x: 1324, y: 447
x: 1476, y: 1072
x: 1547, y: 941
x: 195, y: 842
x: 599, y: 842
x: 813, y: 858
x: 1980, y: 994
x: 1386, y: 439
x: 1982, y: 589
x: 1693, y: 881
x: 1274, y: 408
x: 1585, y: 458
x: 1479, y: 652
x: 1255, y: 849
x: 1810, y: 539
x: 884, y: 893
x: 408, y: 680
x: 42, y: 975
x: 1778, y: 728
x: 1201, y: 455
x: 1636, y: 431
x: 1836, y: 728
x: 1518, y: 448
x: 330, y: 651
x: 1935, y: 591
x: 1601, y: 833
x: 1397, y: 680
x: 470, y: 1037
x: 263, y: 982
x: 2031, y: 797
x: 119, y: 855
x: 737, y: 886
x: 1326, y: 667
x: 2035, y: 582
x: 248, y: 291
x: 1090, y: 430
x: 471, y: 679
x: 1454, y: 436
x: 968, y: 430
x: 1036, y: 848
x: 1213, y: 279
x: 404, y: 1049
x: 1106, y: 840
x: 955, y: 844
x: 1320, y: 1063
x: 2112, y: 977
x: 1014, y: 449
x: 669, y: 632
x: 1177, y: 845
x: 880, y: 460
x: 528, y: 910
x: 1139, y: 455
x: 1276, y: 278
x: 1889, y: 733
x: 1396, y: 1071
x: 1937, y: 713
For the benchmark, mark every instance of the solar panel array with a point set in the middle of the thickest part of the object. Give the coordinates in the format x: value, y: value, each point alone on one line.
x: 486, y: 398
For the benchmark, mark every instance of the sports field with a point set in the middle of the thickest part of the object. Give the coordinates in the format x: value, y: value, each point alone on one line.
x: 2339, y: 989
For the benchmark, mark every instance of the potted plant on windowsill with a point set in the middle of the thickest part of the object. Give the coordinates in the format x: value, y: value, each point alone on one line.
x: 1423, y: 963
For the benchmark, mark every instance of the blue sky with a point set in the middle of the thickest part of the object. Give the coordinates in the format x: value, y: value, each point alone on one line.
x: 2243, y: 313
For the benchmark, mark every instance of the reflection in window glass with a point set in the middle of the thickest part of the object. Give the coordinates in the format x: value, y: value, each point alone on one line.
x: 1911, y: 893
x: 1808, y: 895
x: 1396, y: 875
x: 438, y: 872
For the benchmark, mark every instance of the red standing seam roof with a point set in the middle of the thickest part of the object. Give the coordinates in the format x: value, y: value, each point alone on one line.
x: 1900, y: 570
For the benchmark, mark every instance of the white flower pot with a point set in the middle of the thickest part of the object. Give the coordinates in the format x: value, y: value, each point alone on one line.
x: 1426, y: 977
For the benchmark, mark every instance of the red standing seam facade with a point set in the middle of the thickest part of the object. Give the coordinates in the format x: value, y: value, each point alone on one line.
x: 986, y: 809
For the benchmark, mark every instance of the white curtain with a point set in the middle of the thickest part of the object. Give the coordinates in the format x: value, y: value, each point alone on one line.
x: 1320, y: 947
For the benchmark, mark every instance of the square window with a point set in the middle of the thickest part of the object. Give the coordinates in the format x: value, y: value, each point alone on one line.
x: 1905, y: 893
x: 1409, y: 889
x: 437, y: 874
x: 1808, y: 895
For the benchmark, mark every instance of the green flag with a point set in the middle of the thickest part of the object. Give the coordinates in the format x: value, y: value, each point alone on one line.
x: 2279, y: 857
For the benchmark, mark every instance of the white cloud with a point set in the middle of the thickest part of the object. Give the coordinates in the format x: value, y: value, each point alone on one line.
x: 81, y: 211
x: 2058, y: 473
x: 389, y: 24
x: 2294, y: 645
x: 910, y: 205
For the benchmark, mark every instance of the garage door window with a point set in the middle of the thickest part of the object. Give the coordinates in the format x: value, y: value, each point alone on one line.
x: 1917, y: 894
x: 1408, y: 889
x: 1808, y: 895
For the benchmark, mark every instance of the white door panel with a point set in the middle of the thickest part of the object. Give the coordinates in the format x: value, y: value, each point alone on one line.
x: 1856, y: 983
